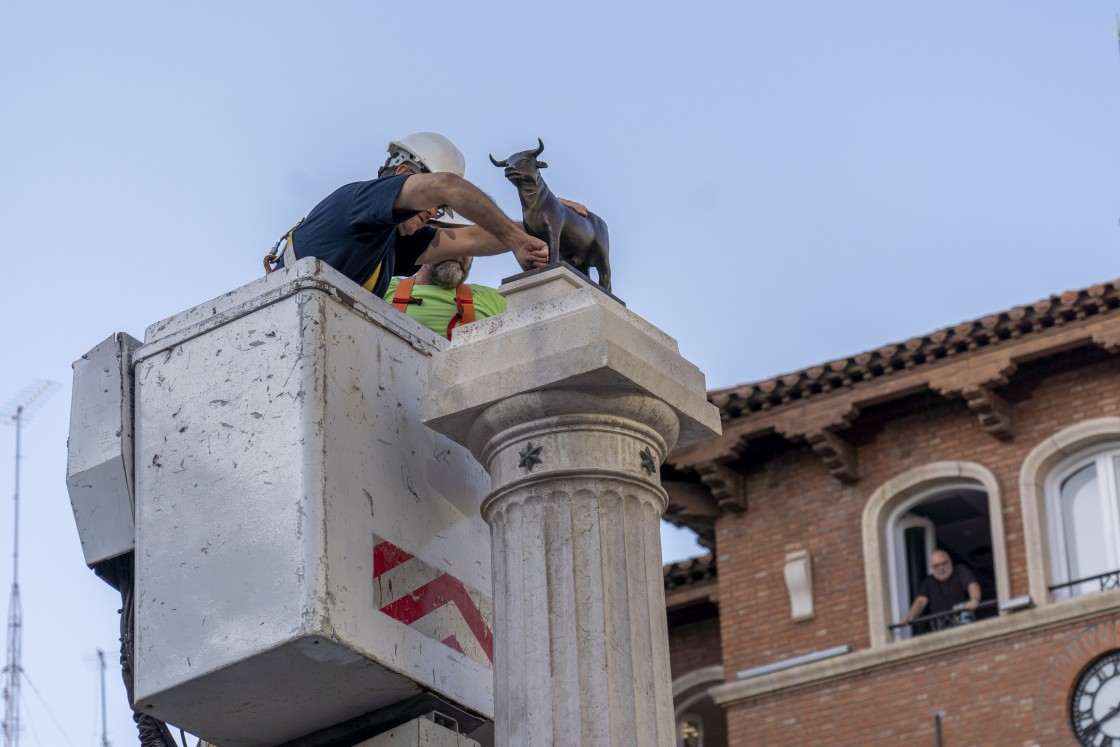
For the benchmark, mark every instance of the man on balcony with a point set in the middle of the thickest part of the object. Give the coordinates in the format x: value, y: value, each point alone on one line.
x: 944, y: 589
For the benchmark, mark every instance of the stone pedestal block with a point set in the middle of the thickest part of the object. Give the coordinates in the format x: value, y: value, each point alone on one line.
x: 571, y: 402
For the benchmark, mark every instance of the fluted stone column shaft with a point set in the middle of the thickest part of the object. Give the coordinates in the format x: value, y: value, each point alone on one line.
x: 581, y: 646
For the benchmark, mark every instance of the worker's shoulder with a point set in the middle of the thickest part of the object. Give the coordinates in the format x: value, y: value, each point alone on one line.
x: 487, y: 299
x: 392, y: 289
x: 379, y: 189
x: 484, y: 290
x: 488, y: 292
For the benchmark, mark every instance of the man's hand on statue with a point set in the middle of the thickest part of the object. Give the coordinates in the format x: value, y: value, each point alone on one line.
x: 579, y: 207
x: 531, y: 253
x: 971, y: 604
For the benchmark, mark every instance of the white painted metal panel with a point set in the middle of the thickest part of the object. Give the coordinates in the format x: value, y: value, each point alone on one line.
x: 420, y: 732
x: 279, y: 455
x: 99, y: 454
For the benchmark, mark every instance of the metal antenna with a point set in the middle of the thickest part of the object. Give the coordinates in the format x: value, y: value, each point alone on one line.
x: 18, y: 410
x: 1118, y: 30
x: 104, y: 726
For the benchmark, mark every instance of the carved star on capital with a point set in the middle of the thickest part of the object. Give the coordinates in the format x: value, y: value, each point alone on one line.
x: 530, y: 456
x: 648, y: 462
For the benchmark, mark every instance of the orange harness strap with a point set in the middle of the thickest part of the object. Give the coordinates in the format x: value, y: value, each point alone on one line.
x: 464, y: 302
x: 464, y: 308
x: 403, y: 297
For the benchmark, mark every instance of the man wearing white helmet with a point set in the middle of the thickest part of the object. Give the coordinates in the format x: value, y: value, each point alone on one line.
x: 373, y: 230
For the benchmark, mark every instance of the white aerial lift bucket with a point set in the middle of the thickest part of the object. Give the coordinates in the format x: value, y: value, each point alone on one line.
x: 306, y: 551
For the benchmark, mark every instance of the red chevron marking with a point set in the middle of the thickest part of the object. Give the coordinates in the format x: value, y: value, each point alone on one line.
x: 386, y: 557
x: 453, y: 643
x: 435, y: 594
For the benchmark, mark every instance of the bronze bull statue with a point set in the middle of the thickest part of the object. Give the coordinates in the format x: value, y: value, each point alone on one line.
x: 579, y: 240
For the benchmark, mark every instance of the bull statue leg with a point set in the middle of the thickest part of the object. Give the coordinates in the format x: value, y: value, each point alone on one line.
x: 555, y: 229
x: 602, y: 266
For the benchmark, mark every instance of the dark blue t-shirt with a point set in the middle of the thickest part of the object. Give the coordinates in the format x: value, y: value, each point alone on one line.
x: 355, y: 229
x: 942, y: 595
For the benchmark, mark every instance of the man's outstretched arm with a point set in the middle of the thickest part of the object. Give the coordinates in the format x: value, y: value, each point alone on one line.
x: 424, y: 191
x: 915, y: 610
x: 974, y: 594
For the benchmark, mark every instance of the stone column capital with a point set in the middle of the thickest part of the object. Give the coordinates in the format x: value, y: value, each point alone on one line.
x: 561, y: 332
x: 536, y: 439
x: 563, y: 408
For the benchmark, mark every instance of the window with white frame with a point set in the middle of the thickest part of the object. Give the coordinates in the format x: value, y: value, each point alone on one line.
x: 1083, y: 516
x: 961, y: 501
x: 952, y: 516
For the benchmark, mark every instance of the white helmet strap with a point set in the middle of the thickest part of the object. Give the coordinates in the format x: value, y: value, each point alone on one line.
x: 403, y: 156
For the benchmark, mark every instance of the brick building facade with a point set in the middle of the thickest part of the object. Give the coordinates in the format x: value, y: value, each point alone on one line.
x: 996, y: 441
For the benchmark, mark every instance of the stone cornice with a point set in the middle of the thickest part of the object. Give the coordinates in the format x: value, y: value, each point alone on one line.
x: 893, y: 654
x: 687, y: 596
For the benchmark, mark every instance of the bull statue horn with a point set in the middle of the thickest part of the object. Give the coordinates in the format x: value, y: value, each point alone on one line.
x: 499, y: 164
x: 539, y: 150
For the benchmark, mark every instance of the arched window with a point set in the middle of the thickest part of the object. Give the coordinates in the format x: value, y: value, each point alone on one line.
x: 1068, y: 487
x: 951, y: 516
x: 1083, y: 514
x: 699, y: 721
x: 949, y: 506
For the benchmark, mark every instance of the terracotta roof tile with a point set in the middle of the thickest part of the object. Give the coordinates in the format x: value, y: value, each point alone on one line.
x: 990, y: 330
x: 690, y: 571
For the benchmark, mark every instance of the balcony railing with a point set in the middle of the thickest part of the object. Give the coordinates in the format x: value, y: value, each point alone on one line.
x: 1105, y: 581
x: 953, y: 618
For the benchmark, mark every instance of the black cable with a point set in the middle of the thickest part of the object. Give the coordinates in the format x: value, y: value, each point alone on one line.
x: 152, y: 731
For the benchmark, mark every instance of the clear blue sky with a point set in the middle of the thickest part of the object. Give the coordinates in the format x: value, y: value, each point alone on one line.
x: 785, y: 183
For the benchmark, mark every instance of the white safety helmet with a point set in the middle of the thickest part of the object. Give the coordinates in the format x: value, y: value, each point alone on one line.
x: 432, y: 151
